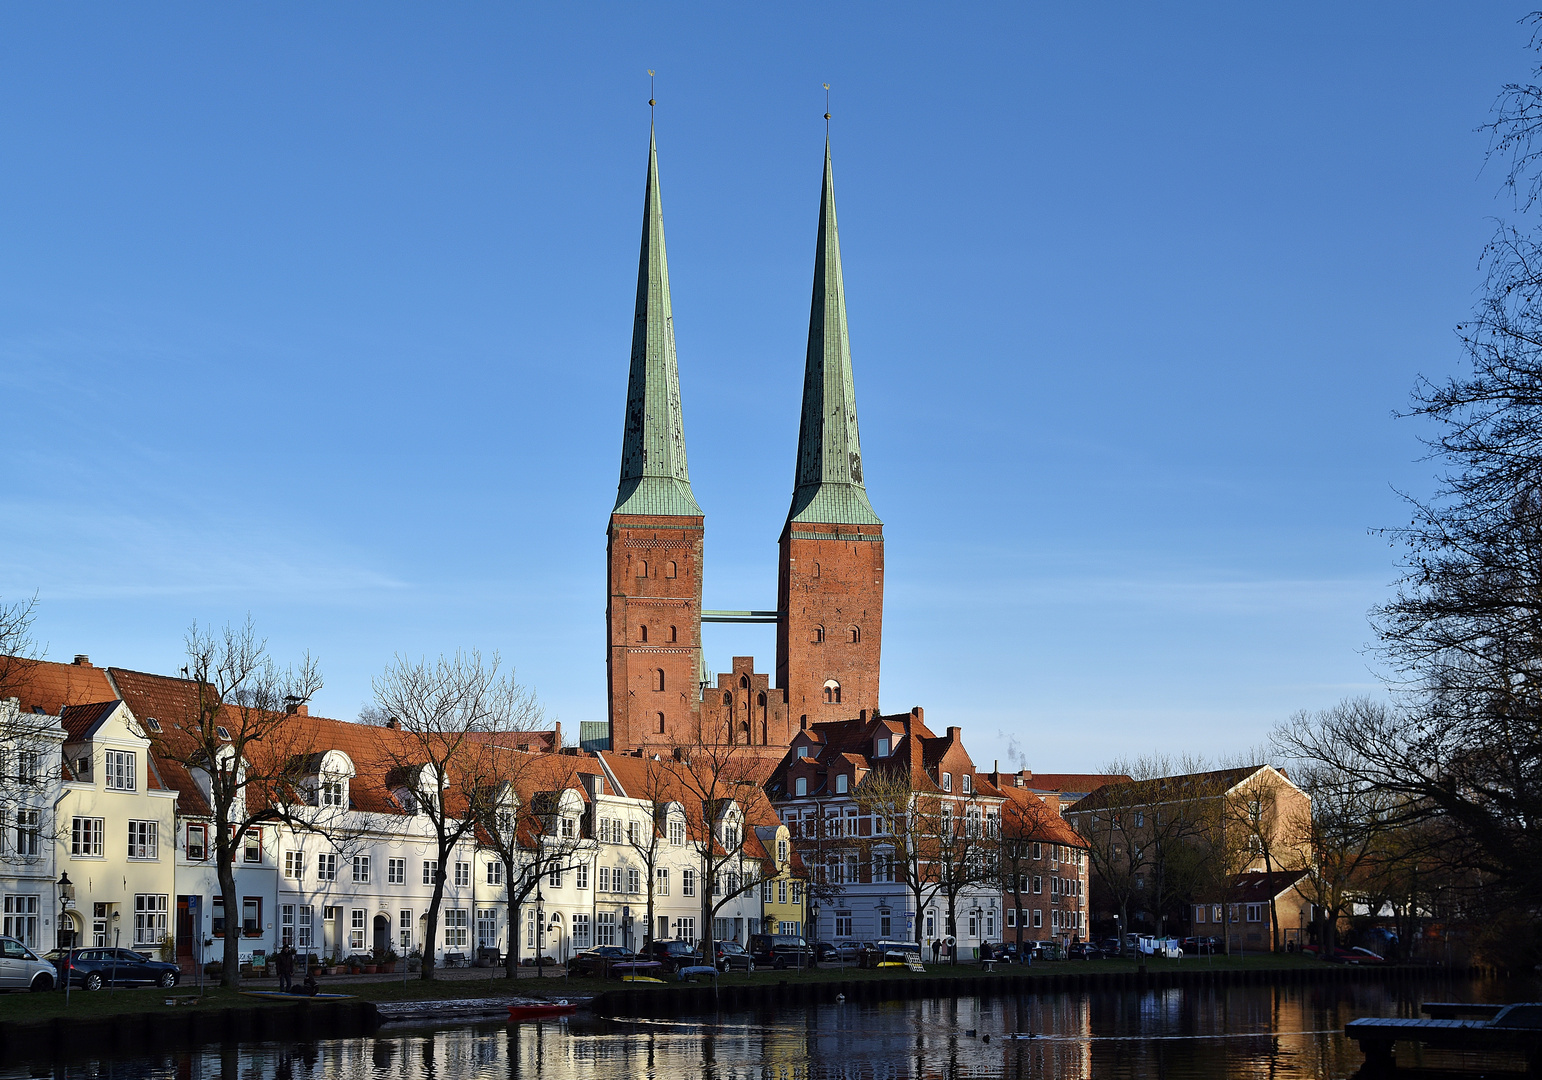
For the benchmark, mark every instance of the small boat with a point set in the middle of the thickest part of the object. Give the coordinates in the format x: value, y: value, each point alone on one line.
x: 640, y: 978
x: 541, y: 1010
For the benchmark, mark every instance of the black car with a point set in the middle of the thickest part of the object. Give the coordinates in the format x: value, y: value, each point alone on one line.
x: 781, y: 951
x: 1192, y: 946
x: 673, y: 955
x: 598, y: 960
x: 730, y: 954
x: 95, y: 968
x: 825, y: 952
x: 1083, y: 950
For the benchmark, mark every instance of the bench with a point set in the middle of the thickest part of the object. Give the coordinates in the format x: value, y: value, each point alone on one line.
x: 454, y: 959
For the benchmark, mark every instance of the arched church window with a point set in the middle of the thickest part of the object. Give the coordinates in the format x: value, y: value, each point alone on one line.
x: 728, y: 699
x: 832, y: 692
x: 744, y: 682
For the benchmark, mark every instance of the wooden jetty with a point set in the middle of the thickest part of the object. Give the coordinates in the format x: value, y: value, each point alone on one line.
x: 1455, y: 1026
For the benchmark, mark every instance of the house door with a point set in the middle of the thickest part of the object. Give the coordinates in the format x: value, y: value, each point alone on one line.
x: 184, y: 928
x: 382, y: 935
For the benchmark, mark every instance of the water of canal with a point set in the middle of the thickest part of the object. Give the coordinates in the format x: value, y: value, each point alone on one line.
x: 1273, y: 1032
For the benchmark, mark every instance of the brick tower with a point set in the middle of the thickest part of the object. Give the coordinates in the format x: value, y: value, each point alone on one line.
x: 830, y: 585
x: 654, y: 549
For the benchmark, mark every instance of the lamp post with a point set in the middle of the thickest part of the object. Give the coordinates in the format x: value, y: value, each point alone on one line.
x: 66, y: 898
x: 540, y: 934
x: 813, y: 919
x: 117, y: 918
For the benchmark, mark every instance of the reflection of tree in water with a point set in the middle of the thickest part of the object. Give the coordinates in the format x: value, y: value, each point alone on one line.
x: 1113, y: 1035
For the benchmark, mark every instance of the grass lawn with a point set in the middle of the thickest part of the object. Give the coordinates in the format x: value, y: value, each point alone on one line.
x: 28, y: 1007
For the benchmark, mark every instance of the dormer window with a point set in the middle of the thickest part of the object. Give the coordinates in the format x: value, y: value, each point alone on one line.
x: 881, y: 747
x: 800, y: 786
x: 947, y: 781
x: 840, y: 784
x: 332, y: 793
x: 222, y: 732
x: 802, y: 752
x: 967, y: 781
x: 152, y: 723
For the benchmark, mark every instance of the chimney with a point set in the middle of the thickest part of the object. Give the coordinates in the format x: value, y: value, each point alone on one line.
x: 393, y: 723
x: 556, y: 734
x: 82, y: 660
x: 955, y: 733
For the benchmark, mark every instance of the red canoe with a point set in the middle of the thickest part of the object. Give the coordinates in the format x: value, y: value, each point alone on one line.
x: 541, y: 1010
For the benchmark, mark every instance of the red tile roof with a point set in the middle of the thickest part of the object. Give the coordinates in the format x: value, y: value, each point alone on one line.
x: 52, y: 686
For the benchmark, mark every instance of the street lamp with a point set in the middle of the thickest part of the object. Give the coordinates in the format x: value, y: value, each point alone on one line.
x: 813, y: 919
x: 540, y: 933
x: 117, y: 917
x: 66, y: 898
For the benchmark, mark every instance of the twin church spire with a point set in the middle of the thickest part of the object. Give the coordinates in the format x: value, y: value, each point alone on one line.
x: 828, y: 484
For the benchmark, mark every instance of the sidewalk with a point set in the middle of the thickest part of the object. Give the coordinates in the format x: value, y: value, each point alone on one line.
x: 443, y: 974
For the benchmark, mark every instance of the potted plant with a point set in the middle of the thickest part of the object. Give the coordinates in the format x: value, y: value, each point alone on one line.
x: 388, y: 961
x: 415, y: 960
x: 169, y: 949
x: 335, y: 965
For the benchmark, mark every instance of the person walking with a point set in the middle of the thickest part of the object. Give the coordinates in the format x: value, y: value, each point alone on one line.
x: 285, y: 967
x: 936, y: 949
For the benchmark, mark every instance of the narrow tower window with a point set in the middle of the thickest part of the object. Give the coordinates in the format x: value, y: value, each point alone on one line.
x: 658, y: 679
x: 642, y: 634
x: 642, y: 567
x: 816, y: 569
x: 853, y: 634
x: 669, y: 569
x: 832, y: 692
x: 659, y: 719
x: 818, y: 636
x: 673, y: 634
x: 728, y: 699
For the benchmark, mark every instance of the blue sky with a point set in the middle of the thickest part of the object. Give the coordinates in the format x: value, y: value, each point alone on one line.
x: 322, y: 314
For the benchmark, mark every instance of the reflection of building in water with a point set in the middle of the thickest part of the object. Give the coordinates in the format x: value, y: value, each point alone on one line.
x: 1060, y: 1024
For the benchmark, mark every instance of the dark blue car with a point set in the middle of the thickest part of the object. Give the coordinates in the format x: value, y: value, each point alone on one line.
x: 94, y: 969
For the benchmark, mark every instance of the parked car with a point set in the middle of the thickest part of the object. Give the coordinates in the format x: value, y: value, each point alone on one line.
x: 23, y: 969
x: 598, y: 960
x: 1200, y: 946
x: 1083, y: 950
x: 729, y: 955
x: 850, y: 950
x: 1110, y: 946
x: 824, y: 952
x: 95, y: 968
x: 674, y: 955
x: 781, y: 951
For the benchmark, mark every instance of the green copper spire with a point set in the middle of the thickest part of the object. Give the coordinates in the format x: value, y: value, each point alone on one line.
x: 654, y: 477
x: 828, y: 487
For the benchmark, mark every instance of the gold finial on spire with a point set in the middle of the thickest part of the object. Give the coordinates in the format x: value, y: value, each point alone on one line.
x: 651, y: 102
x: 827, y: 110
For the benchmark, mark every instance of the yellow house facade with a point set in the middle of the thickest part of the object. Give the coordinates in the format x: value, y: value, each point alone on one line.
x: 116, y: 833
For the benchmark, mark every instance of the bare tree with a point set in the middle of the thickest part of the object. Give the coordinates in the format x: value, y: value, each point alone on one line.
x: 440, y: 711
x: 1026, y: 822
x: 521, y: 818
x: 961, y: 837
x: 720, y: 790
x: 240, y: 740
x: 1353, y: 819
x: 900, y: 816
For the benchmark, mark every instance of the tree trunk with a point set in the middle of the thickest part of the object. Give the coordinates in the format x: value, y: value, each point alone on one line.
x: 230, y: 977
x: 431, y: 934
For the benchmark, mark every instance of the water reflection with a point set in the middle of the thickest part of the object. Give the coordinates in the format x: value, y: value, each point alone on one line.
x: 1262, y: 1032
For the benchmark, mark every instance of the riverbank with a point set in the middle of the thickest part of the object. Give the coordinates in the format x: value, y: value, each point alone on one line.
x: 43, y: 1027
